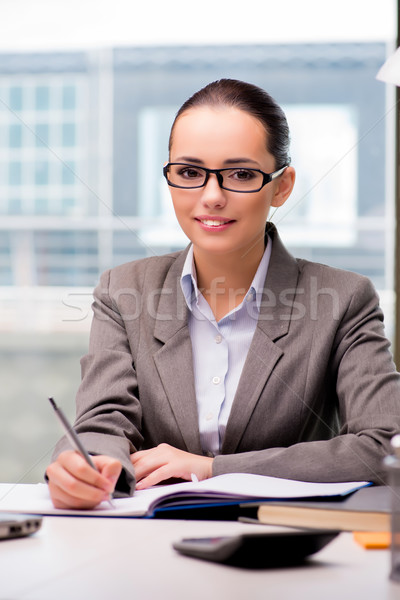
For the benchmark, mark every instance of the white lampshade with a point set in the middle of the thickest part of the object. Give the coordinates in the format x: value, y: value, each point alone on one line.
x: 390, y: 71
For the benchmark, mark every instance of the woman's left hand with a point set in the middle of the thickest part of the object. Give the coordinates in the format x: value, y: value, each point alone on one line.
x: 165, y: 462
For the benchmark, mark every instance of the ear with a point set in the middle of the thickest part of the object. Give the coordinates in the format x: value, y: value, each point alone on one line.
x: 284, y: 187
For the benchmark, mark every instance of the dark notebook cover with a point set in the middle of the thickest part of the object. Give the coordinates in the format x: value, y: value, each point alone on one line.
x: 368, y: 499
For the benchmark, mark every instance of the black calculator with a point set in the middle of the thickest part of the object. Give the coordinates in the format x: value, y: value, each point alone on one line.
x: 258, y: 550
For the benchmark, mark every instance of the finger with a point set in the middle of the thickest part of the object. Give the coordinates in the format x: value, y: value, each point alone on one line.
x: 73, y: 476
x: 156, y: 476
x: 146, y: 461
x: 137, y: 456
x: 147, y: 466
x: 110, y: 468
x: 62, y: 499
x: 74, y: 464
x: 162, y: 449
x: 68, y: 491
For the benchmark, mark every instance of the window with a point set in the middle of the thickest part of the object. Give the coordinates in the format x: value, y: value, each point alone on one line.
x: 41, y: 134
x: 44, y: 149
x: 15, y: 98
x: 68, y: 134
x: 15, y: 135
x: 15, y: 172
x: 42, y: 98
x: 68, y: 97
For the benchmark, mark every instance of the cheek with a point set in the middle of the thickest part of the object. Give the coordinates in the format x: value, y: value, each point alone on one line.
x: 175, y: 198
x: 182, y: 207
x: 260, y: 205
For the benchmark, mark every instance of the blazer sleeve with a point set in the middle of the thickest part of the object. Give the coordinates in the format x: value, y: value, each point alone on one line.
x: 367, y: 392
x: 108, y: 413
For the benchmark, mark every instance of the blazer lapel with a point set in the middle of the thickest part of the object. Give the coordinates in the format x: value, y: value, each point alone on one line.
x: 174, y: 359
x: 263, y: 355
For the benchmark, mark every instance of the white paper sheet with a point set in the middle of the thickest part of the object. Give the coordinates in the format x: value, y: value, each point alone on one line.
x: 35, y: 498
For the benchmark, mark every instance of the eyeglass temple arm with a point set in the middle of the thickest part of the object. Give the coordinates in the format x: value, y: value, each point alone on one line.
x: 277, y: 173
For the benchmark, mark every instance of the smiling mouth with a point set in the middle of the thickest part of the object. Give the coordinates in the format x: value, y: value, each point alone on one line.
x: 214, y: 222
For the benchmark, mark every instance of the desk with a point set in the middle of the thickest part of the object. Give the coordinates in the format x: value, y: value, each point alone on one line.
x: 81, y: 558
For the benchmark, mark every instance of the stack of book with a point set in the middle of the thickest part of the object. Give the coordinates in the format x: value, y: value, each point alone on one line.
x: 368, y: 509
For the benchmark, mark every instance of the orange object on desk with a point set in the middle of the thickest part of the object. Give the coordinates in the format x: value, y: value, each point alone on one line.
x: 372, y: 540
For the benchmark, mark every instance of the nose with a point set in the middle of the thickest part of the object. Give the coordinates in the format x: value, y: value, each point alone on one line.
x: 213, y: 195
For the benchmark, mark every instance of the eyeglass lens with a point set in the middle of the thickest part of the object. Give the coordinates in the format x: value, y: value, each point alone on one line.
x: 236, y: 179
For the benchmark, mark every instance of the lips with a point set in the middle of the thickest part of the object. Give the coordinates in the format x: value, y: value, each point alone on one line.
x: 213, y: 221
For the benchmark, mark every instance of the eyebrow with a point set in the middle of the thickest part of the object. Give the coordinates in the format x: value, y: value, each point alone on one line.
x: 228, y: 161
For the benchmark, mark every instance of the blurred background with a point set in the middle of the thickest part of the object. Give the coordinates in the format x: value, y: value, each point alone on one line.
x: 88, y: 91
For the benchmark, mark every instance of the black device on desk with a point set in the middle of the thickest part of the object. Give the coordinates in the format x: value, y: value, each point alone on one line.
x: 18, y: 525
x: 258, y: 550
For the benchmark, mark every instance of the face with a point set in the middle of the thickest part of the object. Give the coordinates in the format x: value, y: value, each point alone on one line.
x: 218, y: 221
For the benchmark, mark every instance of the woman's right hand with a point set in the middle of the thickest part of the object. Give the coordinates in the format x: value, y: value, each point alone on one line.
x: 75, y: 484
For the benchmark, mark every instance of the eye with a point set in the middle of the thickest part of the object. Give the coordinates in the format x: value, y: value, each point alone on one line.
x: 190, y: 172
x: 243, y: 174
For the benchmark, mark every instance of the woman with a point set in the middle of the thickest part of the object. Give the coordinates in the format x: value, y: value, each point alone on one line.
x: 231, y: 356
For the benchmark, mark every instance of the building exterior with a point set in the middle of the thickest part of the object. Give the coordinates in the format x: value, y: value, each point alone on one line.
x: 83, y: 137
x: 337, y: 113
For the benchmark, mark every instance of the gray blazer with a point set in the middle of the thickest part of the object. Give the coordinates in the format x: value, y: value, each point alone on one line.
x: 318, y: 398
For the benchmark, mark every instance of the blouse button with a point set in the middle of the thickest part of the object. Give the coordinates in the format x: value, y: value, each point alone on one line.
x: 216, y: 380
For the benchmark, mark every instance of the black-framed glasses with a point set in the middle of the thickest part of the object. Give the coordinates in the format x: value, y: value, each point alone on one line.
x: 233, y: 179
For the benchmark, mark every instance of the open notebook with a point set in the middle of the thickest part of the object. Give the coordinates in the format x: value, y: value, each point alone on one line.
x: 231, y: 488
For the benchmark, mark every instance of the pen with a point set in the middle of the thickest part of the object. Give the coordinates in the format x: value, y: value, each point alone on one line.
x: 73, y: 438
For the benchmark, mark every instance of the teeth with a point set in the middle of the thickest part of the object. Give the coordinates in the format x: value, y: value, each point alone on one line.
x: 211, y: 223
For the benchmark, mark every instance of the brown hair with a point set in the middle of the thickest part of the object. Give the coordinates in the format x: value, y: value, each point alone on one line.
x: 253, y: 100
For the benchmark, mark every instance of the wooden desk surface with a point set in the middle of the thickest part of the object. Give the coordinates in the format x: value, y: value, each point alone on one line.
x: 74, y: 558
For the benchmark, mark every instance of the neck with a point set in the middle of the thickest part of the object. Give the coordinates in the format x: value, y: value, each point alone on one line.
x: 224, y: 279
